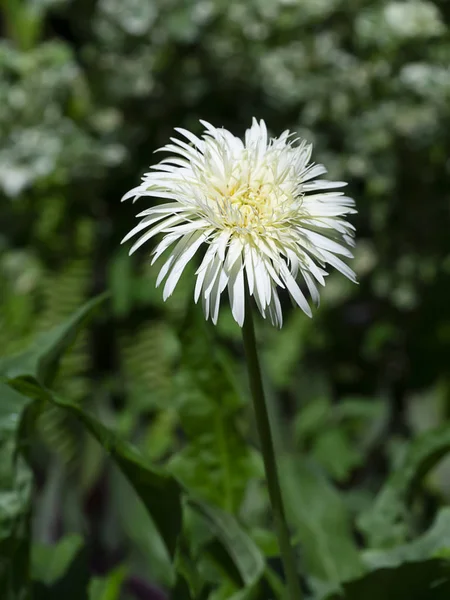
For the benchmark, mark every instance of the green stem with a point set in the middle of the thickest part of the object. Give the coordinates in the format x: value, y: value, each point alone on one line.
x: 268, y: 452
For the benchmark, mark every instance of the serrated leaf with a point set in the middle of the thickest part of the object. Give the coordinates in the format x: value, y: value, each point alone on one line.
x: 427, y: 580
x: 384, y: 523
x: 41, y: 359
x: 15, y: 498
x: 320, y: 520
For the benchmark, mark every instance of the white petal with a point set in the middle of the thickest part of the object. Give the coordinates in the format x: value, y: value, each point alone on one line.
x: 135, y: 192
x: 211, y: 275
x: 195, y: 241
x: 234, y: 252
x: 167, y: 241
x: 164, y: 269
x: 338, y: 264
x: 295, y: 291
x: 274, y: 310
x: 236, y: 292
x: 322, y: 184
x: 262, y: 283
x: 176, y: 253
x: 312, y: 172
x: 144, y: 224
x: 205, y: 306
x: 311, y: 287
x: 188, y: 227
x: 171, y: 207
x: 154, y: 231
x: 248, y: 261
x: 219, y: 286
x: 324, y: 242
x: 191, y: 137
x: 204, y: 270
x: 222, y: 242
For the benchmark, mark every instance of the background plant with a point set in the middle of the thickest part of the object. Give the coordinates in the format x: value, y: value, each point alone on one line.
x: 87, y: 91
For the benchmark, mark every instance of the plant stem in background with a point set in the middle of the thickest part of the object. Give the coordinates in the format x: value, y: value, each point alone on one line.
x: 268, y: 452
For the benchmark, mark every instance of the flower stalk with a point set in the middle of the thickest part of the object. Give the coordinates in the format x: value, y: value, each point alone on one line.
x: 268, y: 452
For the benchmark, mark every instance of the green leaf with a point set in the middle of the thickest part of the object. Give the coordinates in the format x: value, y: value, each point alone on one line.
x: 432, y: 544
x: 15, y: 498
x: 427, y: 580
x: 238, y: 548
x: 335, y: 451
x: 384, y: 523
x: 321, y: 522
x: 160, y: 493
x: 60, y: 571
x: 109, y: 587
x: 40, y: 360
x: 337, y: 436
x: 140, y: 530
x: 217, y: 462
x: 49, y: 563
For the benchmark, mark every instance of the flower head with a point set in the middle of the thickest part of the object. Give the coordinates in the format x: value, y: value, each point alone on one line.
x: 257, y: 204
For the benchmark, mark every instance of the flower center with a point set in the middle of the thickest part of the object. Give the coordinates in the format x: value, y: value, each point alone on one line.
x: 252, y: 206
x: 248, y: 205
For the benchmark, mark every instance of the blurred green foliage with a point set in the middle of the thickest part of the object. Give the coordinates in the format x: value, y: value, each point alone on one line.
x: 88, y: 90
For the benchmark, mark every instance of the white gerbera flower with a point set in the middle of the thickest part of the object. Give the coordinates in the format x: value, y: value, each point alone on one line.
x: 258, y: 206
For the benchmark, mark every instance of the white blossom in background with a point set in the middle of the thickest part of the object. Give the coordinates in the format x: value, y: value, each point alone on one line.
x: 257, y: 206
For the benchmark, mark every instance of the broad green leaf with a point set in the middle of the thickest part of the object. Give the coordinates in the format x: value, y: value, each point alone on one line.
x: 384, y: 523
x: 319, y: 518
x: 217, y: 462
x: 433, y: 543
x: 427, y: 580
x: 60, y: 571
x: 109, y: 587
x: 40, y: 360
x: 15, y: 498
x: 248, y: 561
x: 160, y: 493
x: 140, y: 530
x: 73, y: 586
x: 49, y: 563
